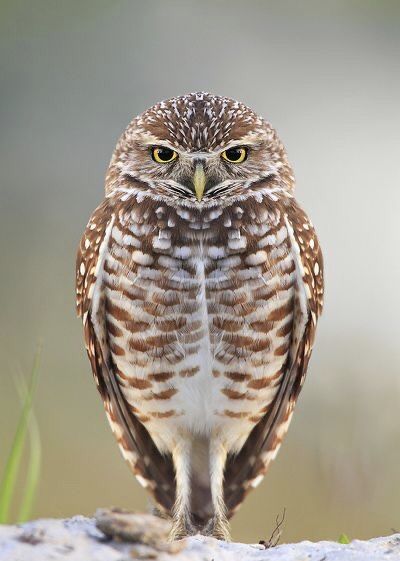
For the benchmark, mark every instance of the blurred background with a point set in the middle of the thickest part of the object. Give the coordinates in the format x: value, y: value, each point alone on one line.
x: 326, y: 74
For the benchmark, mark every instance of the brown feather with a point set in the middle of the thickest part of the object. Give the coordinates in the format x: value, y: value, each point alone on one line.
x: 243, y: 468
x: 135, y: 442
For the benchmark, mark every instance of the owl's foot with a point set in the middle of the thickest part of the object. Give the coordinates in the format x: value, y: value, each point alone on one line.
x: 181, y: 528
x: 218, y: 527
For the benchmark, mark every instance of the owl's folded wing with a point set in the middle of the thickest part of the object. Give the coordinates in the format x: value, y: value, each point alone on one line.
x: 246, y: 469
x: 153, y: 470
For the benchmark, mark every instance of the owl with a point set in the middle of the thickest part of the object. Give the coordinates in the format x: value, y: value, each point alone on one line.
x: 199, y: 283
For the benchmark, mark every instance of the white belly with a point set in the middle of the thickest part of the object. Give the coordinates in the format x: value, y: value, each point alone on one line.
x: 218, y: 371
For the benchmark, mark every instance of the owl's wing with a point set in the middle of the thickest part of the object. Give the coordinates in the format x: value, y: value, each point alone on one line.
x: 245, y: 470
x: 153, y: 470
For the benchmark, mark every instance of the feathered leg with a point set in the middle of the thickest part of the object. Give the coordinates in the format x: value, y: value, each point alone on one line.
x: 219, y: 524
x: 181, y: 518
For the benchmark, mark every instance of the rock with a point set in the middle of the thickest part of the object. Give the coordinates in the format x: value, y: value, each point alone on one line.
x: 132, y: 527
x: 80, y: 539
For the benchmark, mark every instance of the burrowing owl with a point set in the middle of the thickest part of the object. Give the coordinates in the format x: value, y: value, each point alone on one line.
x: 199, y: 283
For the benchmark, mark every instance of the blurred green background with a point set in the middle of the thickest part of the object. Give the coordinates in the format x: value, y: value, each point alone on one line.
x: 326, y: 74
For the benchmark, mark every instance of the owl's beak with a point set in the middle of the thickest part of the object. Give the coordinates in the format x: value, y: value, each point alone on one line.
x: 199, y: 181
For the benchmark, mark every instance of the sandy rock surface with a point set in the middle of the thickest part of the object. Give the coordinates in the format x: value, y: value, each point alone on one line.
x: 80, y: 539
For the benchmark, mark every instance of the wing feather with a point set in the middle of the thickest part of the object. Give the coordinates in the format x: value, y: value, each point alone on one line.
x: 152, y: 469
x: 246, y: 469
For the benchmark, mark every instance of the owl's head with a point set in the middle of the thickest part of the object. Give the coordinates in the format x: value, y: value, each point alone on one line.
x: 199, y: 150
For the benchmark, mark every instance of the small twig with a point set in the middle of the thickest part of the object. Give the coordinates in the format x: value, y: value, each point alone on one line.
x: 277, y: 532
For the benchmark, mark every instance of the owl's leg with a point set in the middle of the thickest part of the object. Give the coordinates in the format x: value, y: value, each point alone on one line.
x: 181, y: 518
x: 219, y: 524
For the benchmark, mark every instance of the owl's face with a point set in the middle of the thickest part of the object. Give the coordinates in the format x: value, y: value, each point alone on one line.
x: 199, y: 150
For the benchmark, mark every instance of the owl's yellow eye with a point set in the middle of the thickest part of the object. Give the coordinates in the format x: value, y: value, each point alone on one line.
x: 235, y: 155
x: 163, y: 155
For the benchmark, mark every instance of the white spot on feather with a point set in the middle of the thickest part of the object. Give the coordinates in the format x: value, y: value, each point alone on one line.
x: 257, y: 481
x: 143, y: 482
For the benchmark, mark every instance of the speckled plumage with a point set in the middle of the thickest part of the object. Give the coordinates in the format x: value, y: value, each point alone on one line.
x: 199, y: 317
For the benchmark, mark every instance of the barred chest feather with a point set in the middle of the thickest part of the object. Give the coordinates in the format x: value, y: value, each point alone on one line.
x: 199, y: 315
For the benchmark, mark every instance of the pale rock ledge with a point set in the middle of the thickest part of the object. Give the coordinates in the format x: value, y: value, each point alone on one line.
x: 80, y: 539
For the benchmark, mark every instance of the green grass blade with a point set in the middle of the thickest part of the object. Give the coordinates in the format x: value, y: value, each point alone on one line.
x: 35, y: 458
x: 343, y: 539
x: 7, y: 486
